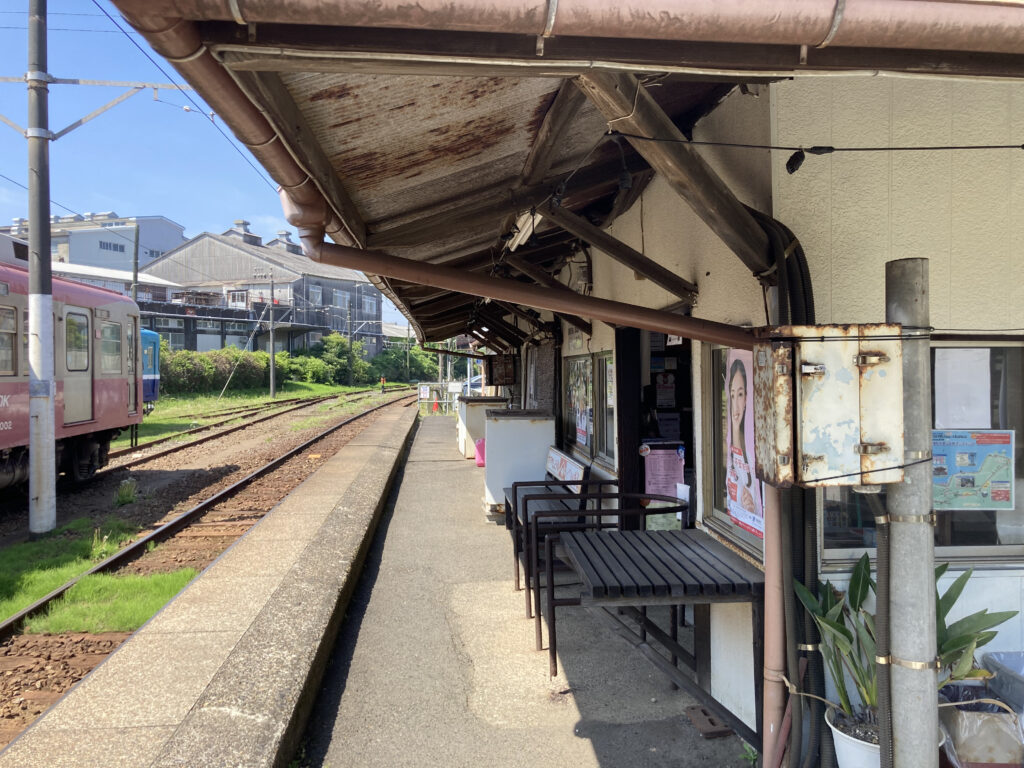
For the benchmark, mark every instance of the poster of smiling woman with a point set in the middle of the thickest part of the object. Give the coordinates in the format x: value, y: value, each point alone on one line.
x: 742, y: 488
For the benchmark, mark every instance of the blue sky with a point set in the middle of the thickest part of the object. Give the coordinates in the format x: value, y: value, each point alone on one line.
x: 144, y: 156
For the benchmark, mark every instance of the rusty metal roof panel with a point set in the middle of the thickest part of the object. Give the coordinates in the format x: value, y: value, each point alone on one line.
x: 393, y: 139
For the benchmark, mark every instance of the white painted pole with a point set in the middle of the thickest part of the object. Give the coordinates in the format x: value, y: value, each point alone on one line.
x: 42, y: 511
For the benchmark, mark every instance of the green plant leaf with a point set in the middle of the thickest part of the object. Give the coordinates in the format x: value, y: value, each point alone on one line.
x: 860, y: 581
x: 865, y: 637
x: 965, y: 663
x: 809, y: 601
x: 840, y: 635
x: 940, y: 570
x: 979, y: 622
x: 951, y: 596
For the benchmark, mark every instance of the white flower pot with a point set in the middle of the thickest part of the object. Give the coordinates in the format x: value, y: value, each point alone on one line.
x: 851, y: 752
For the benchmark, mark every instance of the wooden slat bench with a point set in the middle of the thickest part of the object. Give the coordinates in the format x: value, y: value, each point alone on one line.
x: 624, y: 572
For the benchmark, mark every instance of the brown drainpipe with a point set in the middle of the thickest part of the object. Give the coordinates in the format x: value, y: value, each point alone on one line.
x: 965, y: 25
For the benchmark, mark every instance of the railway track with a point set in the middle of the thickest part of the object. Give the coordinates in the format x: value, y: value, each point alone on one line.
x: 233, y: 525
x: 231, y: 414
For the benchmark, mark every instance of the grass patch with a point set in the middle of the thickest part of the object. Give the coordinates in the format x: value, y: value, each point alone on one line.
x: 179, y: 413
x: 127, y: 492
x: 105, y: 602
x: 32, y: 569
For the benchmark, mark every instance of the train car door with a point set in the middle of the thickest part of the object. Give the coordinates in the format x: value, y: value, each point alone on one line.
x: 131, y: 344
x: 78, y: 365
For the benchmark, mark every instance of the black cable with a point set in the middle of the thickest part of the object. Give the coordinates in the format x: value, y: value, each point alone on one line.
x: 186, y: 95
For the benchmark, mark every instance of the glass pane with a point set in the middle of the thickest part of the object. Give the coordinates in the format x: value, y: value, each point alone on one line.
x: 978, y: 464
x: 8, y: 319
x: 76, y: 335
x: 110, y: 351
x: 8, y: 328
x: 579, y: 401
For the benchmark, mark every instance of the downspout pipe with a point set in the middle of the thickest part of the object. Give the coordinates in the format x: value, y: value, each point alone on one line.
x: 957, y: 25
x: 311, y: 234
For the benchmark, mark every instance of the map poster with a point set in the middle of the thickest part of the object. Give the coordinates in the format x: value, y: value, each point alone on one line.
x: 972, y: 468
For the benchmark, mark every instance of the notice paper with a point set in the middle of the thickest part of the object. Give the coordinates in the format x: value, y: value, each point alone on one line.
x: 963, y: 389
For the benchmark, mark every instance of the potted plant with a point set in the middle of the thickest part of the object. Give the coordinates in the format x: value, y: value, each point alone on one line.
x: 848, y: 645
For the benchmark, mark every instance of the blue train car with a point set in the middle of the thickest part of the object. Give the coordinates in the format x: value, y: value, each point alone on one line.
x: 150, y: 368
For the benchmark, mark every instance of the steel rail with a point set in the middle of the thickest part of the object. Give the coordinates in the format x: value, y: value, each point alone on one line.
x: 10, y: 625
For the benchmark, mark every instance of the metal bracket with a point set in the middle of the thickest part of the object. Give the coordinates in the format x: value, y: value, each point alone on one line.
x: 38, y: 77
x: 39, y: 133
x: 931, y: 519
x: 870, y: 449
x: 862, y: 361
x: 812, y: 369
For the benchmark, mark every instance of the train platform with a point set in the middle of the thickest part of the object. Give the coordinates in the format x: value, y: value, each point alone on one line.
x: 434, y: 662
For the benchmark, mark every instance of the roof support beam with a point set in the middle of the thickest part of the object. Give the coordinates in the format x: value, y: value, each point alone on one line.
x: 506, y: 331
x: 521, y: 313
x: 612, y: 312
x: 590, y: 182
x: 621, y: 252
x: 559, y: 117
x: 625, y: 102
x: 268, y: 90
x: 541, y: 277
x: 441, y: 306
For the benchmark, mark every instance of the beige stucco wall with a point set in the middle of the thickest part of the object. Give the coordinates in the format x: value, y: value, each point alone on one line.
x: 855, y: 211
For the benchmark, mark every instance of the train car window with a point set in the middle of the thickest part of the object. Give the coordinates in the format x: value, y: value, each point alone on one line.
x: 76, y: 339
x: 110, y: 350
x: 8, y: 340
x: 24, y: 342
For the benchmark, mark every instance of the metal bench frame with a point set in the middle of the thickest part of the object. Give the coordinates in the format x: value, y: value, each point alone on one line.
x: 613, y: 606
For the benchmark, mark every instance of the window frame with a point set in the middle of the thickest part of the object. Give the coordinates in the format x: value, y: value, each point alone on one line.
x: 105, y: 356
x: 67, y: 347
x: 839, y: 559
x: 13, y: 333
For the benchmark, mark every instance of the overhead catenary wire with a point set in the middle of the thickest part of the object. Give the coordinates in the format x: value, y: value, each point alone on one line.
x: 188, y: 96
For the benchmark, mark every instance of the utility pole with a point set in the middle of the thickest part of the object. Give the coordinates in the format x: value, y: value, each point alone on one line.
x: 408, y: 375
x: 135, y: 263
x: 348, y: 326
x: 273, y: 384
x: 42, y: 515
x: 915, y: 727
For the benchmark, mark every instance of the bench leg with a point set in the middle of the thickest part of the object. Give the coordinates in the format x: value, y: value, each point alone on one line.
x: 515, y: 553
x: 534, y: 545
x: 673, y: 618
x: 549, y: 568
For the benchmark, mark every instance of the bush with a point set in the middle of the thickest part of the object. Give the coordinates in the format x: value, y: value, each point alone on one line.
x: 185, y: 372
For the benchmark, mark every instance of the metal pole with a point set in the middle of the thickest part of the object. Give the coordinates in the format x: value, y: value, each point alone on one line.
x: 915, y: 727
x: 408, y: 374
x: 348, y: 325
x: 273, y: 384
x: 42, y: 516
x: 135, y: 264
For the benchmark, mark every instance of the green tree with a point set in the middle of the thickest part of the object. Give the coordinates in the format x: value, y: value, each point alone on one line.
x: 391, y: 365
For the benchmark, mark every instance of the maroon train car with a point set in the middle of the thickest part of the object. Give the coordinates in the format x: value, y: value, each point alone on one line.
x: 96, y: 368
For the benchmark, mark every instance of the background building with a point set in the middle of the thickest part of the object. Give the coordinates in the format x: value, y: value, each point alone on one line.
x: 106, y: 239
x: 226, y: 279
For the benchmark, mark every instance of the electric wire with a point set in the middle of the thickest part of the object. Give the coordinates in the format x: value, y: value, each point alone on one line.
x: 187, y: 96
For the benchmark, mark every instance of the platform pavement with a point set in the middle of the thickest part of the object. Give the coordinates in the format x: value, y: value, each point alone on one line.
x: 221, y: 676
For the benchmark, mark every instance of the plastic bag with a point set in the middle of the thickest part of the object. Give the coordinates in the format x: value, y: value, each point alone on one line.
x: 979, y: 732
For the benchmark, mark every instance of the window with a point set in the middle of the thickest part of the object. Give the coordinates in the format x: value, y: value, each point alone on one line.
x: 316, y: 295
x: 110, y: 347
x: 736, y: 495
x: 8, y: 340
x: 233, y: 326
x: 76, y: 341
x: 170, y: 322
x: 341, y: 299
x: 604, y: 406
x: 208, y: 325
x: 579, y: 402
x: 370, y: 305
x: 236, y: 299
x: 174, y: 340
x: 978, y: 460
x: 115, y: 247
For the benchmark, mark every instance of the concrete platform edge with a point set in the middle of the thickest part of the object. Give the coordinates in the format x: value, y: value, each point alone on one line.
x: 293, y: 733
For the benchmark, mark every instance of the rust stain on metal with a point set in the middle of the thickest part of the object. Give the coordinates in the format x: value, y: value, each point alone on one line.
x: 539, y: 113
x: 341, y: 91
x: 455, y: 143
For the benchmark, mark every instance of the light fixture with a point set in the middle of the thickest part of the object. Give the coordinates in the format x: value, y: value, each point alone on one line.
x: 523, y: 229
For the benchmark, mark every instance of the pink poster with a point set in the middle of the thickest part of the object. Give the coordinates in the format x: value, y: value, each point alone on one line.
x: 742, y: 488
x: 663, y: 469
